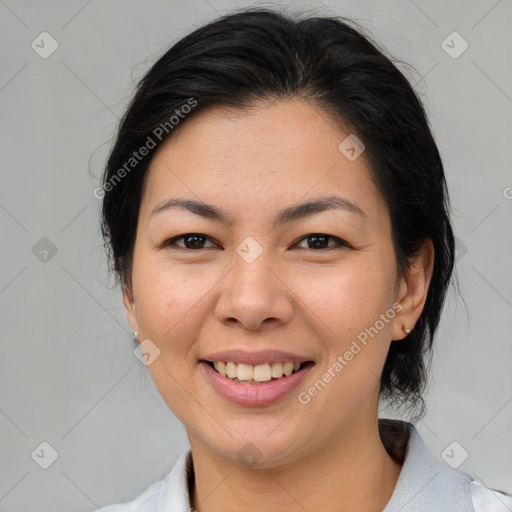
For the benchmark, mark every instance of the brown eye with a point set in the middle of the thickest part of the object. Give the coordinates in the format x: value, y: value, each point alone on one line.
x: 321, y: 241
x: 190, y: 241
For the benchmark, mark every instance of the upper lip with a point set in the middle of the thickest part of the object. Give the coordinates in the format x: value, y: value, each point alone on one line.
x: 256, y: 357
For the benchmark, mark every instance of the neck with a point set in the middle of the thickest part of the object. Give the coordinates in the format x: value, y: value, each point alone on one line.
x: 351, y: 472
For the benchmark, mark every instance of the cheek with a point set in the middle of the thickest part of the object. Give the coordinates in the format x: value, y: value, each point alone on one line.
x: 351, y: 297
x: 168, y: 305
x: 165, y: 301
x: 350, y: 304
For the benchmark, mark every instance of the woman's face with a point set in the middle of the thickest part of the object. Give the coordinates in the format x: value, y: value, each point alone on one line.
x: 259, y: 285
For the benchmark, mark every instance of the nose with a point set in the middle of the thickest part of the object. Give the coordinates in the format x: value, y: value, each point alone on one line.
x: 254, y: 296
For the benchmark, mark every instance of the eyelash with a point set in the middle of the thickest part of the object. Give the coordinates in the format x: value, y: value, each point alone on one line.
x: 339, y: 241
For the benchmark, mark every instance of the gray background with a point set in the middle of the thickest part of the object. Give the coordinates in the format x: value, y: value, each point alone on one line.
x: 68, y: 374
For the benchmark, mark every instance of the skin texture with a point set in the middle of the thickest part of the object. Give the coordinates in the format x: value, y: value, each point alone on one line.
x: 325, y: 455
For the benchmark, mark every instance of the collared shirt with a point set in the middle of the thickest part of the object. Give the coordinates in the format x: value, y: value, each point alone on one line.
x: 424, y: 484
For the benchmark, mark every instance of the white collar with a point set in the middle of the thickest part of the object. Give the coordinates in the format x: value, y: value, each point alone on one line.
x: 426, y: 484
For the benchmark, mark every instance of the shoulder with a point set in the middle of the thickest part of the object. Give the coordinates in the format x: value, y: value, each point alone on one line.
x: 426, y: 484
x: 170, y: 493
x: 145, y: 502
x: 489, y: 500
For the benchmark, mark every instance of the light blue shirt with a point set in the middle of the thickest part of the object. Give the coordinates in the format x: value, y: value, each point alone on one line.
x: 424, y: 485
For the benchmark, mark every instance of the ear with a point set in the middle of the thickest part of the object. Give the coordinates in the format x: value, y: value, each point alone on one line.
x: 129, y: 306
x: 413, y: 289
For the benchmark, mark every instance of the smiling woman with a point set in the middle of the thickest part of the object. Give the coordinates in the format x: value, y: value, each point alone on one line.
x: 285, y: 251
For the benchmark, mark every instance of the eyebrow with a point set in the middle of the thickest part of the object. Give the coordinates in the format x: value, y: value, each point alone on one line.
x: 285, y: 216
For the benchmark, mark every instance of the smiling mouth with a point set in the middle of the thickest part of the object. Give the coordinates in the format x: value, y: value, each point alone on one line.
x: 257, y: 374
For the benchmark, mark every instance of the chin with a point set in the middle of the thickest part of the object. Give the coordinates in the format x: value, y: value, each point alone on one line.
x: 259, y: 448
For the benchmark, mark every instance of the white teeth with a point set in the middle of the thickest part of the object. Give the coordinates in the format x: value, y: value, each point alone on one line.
x: 277, y: 370
x: 259, y: 373
x: 221, y: 367
x: 287, y: 368
x: 231, y: 370
x: 262, y: 372
x: 244, y: 371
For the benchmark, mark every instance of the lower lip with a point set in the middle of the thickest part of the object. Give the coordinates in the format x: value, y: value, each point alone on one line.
x: 254, y: 395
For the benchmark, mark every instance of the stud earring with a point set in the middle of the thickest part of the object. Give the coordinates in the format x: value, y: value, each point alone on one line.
x: 407, y: 331
x: 135, y: 334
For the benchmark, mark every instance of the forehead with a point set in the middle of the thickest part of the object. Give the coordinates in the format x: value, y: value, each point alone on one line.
x: 274, y: 154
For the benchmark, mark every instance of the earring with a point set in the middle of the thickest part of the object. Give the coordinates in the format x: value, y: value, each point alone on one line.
x: 407, y: 331
x: 135, y: 334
